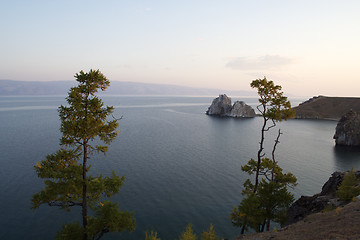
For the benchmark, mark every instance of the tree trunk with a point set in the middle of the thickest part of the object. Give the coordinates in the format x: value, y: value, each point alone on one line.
x: 259, y: 155
x: 273, y: 154
x: 268, y: 225
x: 84, y: 203
x: 243, y: 229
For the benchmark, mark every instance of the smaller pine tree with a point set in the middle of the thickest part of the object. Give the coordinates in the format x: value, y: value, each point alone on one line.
x: 209, y: 235
x: 151, y: 236
x: 349, y: 187
x: 188, y: 234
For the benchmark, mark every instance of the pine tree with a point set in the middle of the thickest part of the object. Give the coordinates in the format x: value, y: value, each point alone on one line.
x: 267, y: 199
x: 349, y: 187
x: 188, y: 234
x: 85, y: 130
x: 210, y: 234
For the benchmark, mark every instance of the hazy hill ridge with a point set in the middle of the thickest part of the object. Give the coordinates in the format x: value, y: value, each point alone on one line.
x: 10, y: 87
x: 323, y: 107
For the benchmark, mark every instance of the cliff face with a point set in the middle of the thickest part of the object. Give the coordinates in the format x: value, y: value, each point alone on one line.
x: 306, y: 205
x: 322, y: 107
x: 348, y: 130
x: 221, y: 106
x: 240, y: 109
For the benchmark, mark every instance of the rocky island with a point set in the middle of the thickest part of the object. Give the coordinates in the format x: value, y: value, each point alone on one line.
x: 221, y: 106
x: 322, y: 107
x: 347, y: 131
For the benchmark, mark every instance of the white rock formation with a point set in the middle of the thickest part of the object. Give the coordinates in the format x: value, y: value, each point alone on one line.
x: 240, y: 109
x: 221, y: 106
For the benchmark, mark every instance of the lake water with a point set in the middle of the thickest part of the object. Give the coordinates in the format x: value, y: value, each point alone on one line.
x: 181, y: 165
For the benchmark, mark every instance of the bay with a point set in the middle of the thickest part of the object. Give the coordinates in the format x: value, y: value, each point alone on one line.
x: 181, y: 166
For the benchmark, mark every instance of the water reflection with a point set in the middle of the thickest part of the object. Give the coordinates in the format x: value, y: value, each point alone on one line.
x: 346, y: 157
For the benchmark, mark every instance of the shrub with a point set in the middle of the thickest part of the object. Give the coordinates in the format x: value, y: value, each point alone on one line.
x: 188, y: 234
x: 151, y: 236
x: 210, y: 235
x: 349, y: 187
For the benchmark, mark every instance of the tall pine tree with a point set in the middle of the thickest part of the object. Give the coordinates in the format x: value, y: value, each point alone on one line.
x: 85, y: 130
x: 267, y: 199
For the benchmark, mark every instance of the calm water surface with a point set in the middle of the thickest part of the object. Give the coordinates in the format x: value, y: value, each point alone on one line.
x: 181, y: 166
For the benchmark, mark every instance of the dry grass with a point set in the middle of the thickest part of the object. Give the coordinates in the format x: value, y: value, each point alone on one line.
x: 341, y: 223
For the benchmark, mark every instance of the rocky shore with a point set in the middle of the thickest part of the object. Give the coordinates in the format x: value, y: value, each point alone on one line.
x: 321, y: 216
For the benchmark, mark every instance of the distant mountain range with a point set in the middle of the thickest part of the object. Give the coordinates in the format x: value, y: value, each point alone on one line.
x: 11, y: 87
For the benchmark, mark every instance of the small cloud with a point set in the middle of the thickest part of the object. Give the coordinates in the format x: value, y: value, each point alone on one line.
x: 267, y: 62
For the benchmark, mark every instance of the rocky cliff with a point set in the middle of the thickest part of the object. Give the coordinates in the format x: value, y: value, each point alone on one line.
x: 221, y: 106
x: 306, y: 205
x: 240, y: 109
x: 348, y: 130
x: 311, y: 217
x: 323, y: 107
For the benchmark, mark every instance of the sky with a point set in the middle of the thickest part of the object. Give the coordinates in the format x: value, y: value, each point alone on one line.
x: 309, y: 47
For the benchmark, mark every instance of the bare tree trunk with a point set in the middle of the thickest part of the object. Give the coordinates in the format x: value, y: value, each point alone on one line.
x: 273, y: 155
x: 84, y: 203
x: 243, y: 229
x: 268, y: 225
x: 260, y: 155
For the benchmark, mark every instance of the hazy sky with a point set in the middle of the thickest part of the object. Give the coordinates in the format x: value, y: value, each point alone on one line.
x: 309, y: 47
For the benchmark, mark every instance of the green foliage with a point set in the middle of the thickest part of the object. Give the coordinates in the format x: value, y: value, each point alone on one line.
x: 63, y: 186
x: 210, y: 234
x: 270, y: 170
x: 151, y: 236
x: 65, y: 173
x: 72, y: 231
x: 274, y: 105
x: 274, y: 200
x: 349, y: 187
x: 249, y: 213
x: 86, y: 117
x: 108, y: 218
x: 188, y: 234
x: 269, y: 203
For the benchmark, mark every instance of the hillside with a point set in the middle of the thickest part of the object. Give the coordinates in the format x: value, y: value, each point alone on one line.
x: 10, y: 87
x: 342, y: 223
x: 323, y: 107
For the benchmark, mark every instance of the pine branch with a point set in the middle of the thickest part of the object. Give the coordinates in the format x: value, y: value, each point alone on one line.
x: 62, y: 204
x: 105, y: 230
x: 117, y: 119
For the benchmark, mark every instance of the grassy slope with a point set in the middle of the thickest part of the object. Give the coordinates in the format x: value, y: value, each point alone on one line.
x: 327, y: 107
x: 342, y: 223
